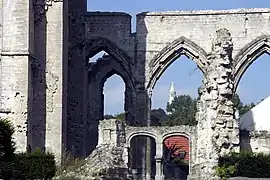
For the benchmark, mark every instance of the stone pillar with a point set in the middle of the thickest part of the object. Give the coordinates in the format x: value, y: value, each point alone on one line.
x: 77, y: 78
x: 16, y: 55
x: 159, y: 165
x: 95, y: 114
x: 51, y: 34
x: 217, y: 127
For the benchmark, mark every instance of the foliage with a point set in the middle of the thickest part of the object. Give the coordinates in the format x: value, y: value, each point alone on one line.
x: 108, y: 116
x: 35, y: 165
x: 244, y: 164
x: 120, y: 116
x: 70, y: 163
x: 182, y: 111
x: 157, y: 116
x: 224, y: 172
x: 7, y: 146
x: 240, y: 106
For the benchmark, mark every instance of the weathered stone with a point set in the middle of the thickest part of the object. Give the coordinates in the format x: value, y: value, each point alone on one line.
x: 54, y: 96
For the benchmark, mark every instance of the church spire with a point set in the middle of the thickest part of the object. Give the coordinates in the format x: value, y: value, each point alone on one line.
x: 172, y: 93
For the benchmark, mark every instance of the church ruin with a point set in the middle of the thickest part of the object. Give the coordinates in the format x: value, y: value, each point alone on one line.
x: 54, y: 96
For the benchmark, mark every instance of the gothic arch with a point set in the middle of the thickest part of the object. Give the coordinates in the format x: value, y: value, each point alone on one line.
x: 105, y: 68
x: 98, y: 75
x: 170, y: 53
x: 110, y: 73
x: 248, y: 55
x: 97, y: 43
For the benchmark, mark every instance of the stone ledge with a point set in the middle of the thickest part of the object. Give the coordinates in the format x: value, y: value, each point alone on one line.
x: 206, y: 12
x: 100, y: 13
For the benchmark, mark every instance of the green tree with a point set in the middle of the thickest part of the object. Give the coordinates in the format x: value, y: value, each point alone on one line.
x: 157, y: 116
x: 182, y: 111
x: 108, y: 116
x: 240, y: 106
x: 120, y: 116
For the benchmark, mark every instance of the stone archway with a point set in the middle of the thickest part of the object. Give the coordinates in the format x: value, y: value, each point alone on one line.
x: 181, y: 46
x: 99, y: 72
x: 248, y: 55
x: 97, y: 44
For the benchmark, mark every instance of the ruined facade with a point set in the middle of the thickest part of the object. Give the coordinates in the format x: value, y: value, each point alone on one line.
x: 54, y: 96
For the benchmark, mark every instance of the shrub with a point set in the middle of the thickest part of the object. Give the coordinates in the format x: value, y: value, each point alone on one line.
x: 7, y: 146
x: 244, y: 164
x: 36, y: 165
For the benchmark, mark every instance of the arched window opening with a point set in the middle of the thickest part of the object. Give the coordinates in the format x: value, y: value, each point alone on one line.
x: 142, y: 157
x: 175, y: 94
x: 176, y: 155
x: 101, y: 55
x: 252, y: 99
x: 114, y: 98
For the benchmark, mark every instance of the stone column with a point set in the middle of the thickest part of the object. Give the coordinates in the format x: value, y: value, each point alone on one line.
x: 56, y: 54
x: 77, y: 77
x: 159, y: 165
x: 217, y: 127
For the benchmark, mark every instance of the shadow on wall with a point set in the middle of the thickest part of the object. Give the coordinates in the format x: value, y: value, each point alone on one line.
x: 246, y: 127
x: 37, y: 93
x: 137, y: 151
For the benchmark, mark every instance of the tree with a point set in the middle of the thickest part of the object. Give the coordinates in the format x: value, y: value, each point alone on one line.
x: 120, y: 116
x: 182, y: 111
x: 157, y: 116
x: 240, y: 106
x: 108, y: 116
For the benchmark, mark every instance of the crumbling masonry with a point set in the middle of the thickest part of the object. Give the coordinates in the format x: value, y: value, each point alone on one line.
x: 54, y: 96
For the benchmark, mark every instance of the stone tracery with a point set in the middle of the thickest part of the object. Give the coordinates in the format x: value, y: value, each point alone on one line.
x: 248, y: 55
x: 135, y: 57
x: 181, y: 46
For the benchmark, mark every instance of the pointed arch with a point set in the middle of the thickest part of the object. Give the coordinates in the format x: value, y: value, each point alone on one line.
x: 180, y: 46
x: 96, y: 44
x: 248, y: 54
x: 127, y: 81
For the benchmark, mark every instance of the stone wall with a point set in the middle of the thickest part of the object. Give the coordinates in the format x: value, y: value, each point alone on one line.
x: 47, y: 87
x: 255, y: 141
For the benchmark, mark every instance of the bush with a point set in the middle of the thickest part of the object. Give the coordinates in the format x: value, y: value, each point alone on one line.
x: 36, y: 165
x: 7, y: 146
x: 244, y: 164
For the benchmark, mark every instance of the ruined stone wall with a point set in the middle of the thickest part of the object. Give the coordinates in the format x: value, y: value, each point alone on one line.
x: 114, y: 26
x: 255, y: 141
x: 49, y: 45
x: 16, y: 55
x: 159, y: 133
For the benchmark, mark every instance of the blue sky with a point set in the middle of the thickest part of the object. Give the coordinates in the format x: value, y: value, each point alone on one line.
x: 253, y: 86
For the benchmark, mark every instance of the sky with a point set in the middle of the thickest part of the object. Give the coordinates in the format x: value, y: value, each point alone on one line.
x: 183, y: 72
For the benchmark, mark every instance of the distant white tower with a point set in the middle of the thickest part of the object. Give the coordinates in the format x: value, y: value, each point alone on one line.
x: 172, y: 93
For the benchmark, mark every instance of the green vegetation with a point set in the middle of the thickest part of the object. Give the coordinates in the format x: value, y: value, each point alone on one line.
x: 35, y: 165
x: 244, y: 164
x: 182, y: 111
